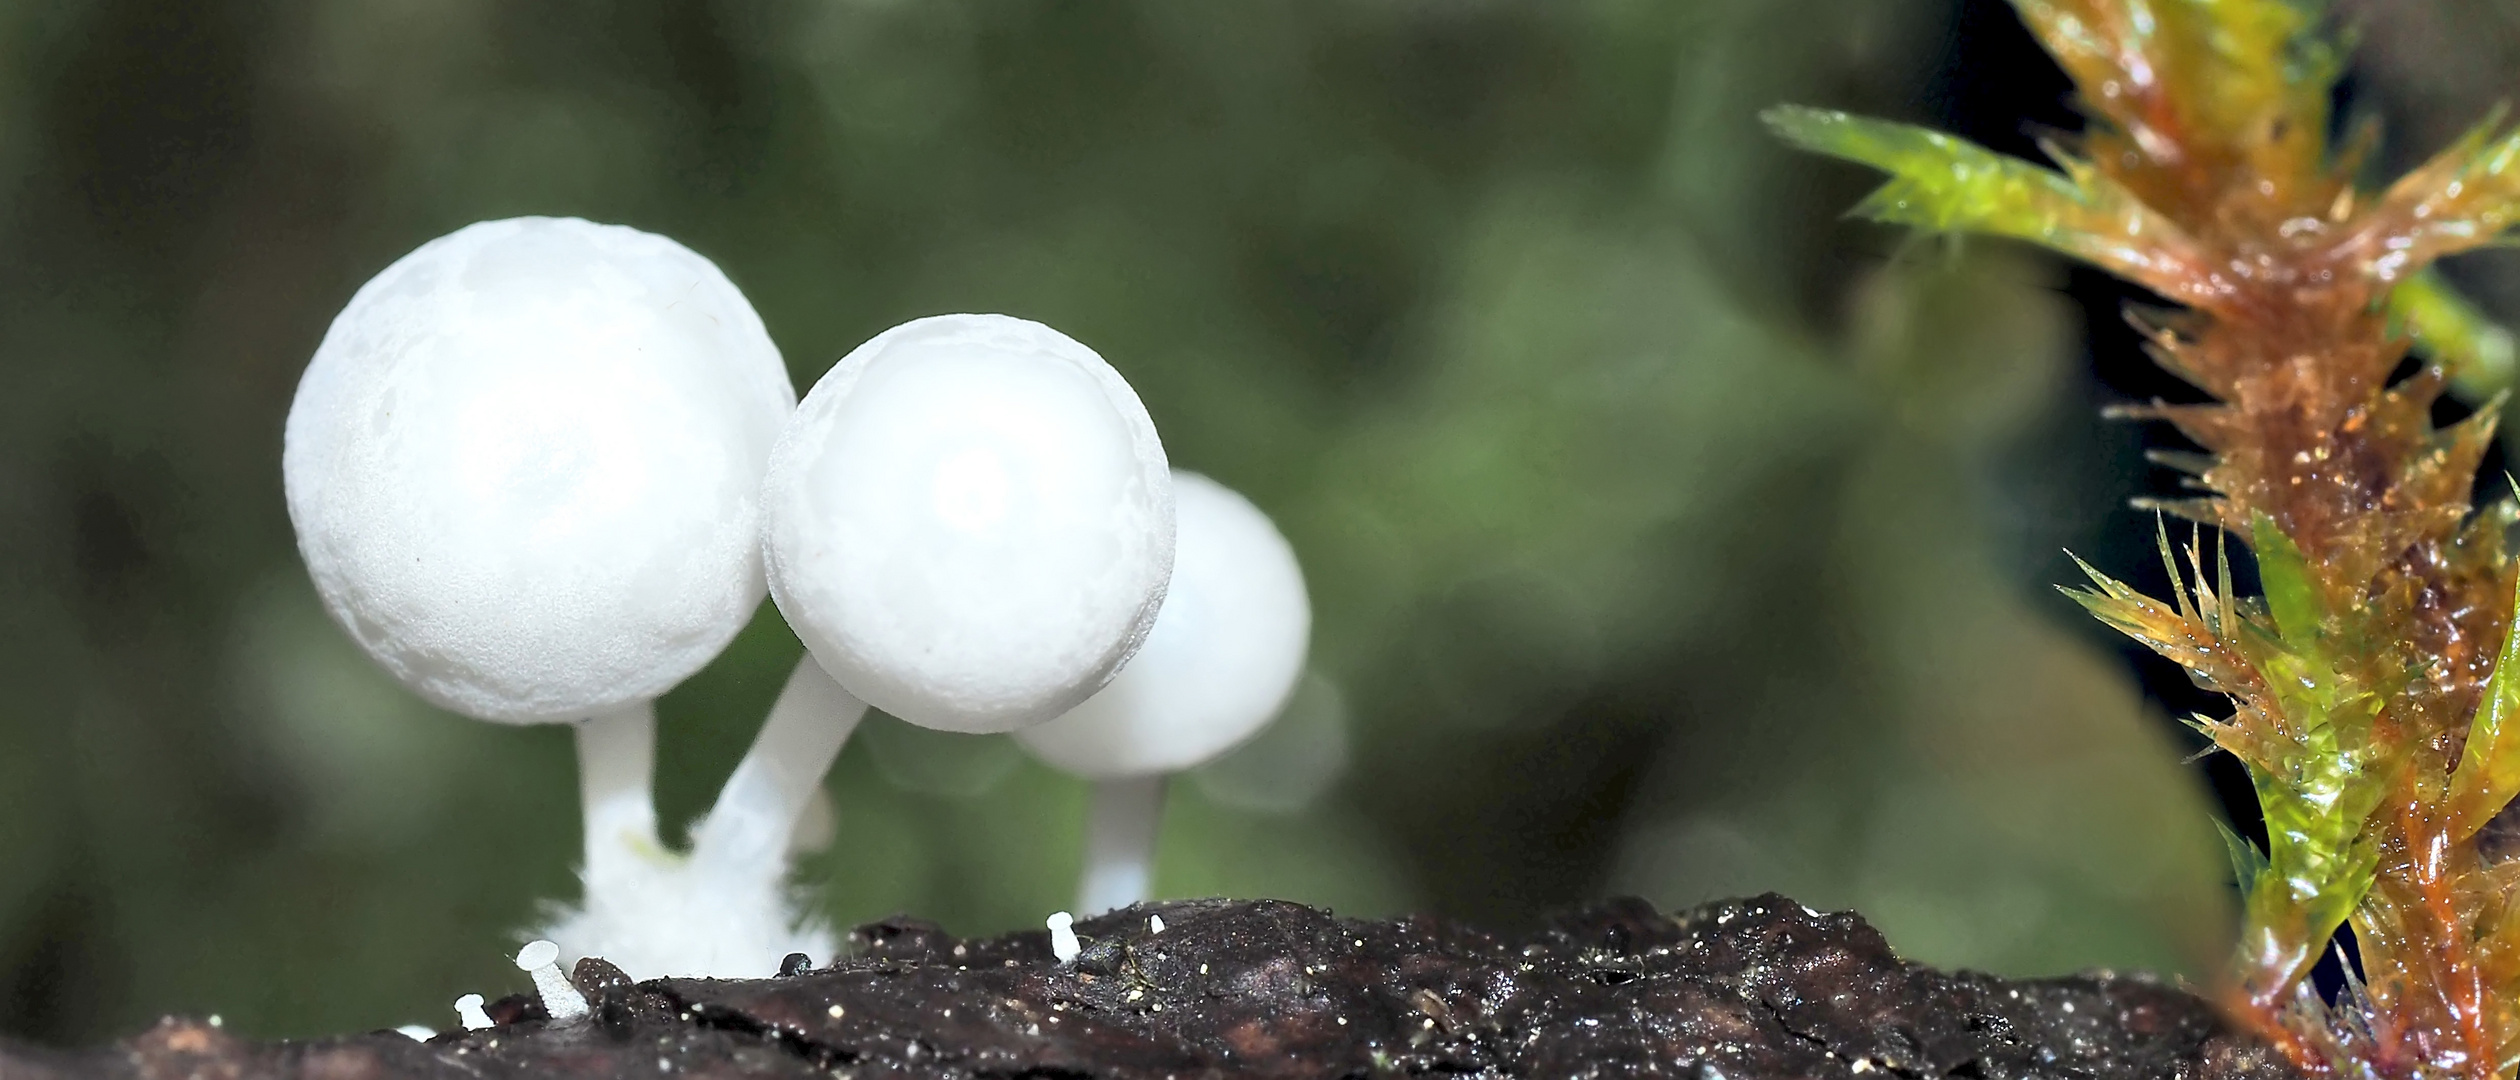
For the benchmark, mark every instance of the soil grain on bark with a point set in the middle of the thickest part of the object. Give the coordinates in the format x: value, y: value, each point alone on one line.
x: 1744, y: 989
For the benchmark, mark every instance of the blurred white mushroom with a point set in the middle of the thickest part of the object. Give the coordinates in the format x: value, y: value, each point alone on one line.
x: 1223, y: 658
x: 524, y: 466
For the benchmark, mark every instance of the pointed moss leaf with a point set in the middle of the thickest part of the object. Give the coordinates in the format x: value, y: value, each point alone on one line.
x: 2121, y: 607
x: 2466, y: 197
x: 2170, y: 565
x: 2247, y: 862
x: 2489, y: 769
x: 2478, y: 353
x: 2222, y: 569
x: 1947, y: 184
x: 2285, y: 575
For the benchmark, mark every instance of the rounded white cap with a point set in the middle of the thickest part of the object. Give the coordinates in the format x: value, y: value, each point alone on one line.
x: 525, y: 466
x: 970, y: 522
x: 1224, y: 655
x: 536, y: 954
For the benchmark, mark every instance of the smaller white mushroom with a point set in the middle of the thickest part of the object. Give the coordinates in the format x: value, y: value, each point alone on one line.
x: 969, y: 522
x: 418, y: 1032
x: 561, y: 1001
x: 1063, y: 943
x: 468, y: 1012
x: 1221, y: 662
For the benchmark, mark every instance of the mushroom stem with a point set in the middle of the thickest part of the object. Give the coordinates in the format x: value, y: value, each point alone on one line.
x: 616, y: 771
x: 1120, y: 842
x: 758, y: 809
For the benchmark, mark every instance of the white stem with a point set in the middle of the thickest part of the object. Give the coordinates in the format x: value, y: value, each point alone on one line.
x: 616, y: 774
x: 758, y: 809
x: 1120, y: 843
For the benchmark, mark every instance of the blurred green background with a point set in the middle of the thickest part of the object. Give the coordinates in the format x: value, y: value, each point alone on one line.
x: 1666, y: 533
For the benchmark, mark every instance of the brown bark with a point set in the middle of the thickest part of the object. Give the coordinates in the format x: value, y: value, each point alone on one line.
x: 1742, y: 989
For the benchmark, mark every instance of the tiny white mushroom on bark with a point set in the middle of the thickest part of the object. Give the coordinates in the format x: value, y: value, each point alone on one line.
x: 1222, y: 660
x: 970, y: 522
x: 1063, y: 943
x: 541, y: 959
x: 524, y: 466
x: 468, y: 1013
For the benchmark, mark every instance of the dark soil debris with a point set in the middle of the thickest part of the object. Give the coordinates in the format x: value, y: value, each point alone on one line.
x: 1745, y: 989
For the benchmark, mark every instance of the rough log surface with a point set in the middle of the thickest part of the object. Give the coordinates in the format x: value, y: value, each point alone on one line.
x: 1743, y: 989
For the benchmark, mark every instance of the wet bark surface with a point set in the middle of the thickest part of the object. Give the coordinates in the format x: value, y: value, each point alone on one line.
x: 1743, y: 989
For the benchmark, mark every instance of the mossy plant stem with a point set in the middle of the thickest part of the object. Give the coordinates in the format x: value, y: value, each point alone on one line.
x: 2370, y: 706
x: 1120, y: 843
x: 756, y: 813
x: 616, y: 771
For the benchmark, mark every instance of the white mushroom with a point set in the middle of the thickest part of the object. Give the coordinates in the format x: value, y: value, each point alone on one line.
x: 524, y: 467
x: 560, y: 1000
x: 1063, y: 943
x: 970, y: 522
x: 1222, y: 660
x: 468, y: 1012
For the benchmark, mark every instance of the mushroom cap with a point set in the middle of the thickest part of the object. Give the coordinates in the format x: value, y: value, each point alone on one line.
x: 1223, y: 658
x: 525, y: 466
x: 970, y: 522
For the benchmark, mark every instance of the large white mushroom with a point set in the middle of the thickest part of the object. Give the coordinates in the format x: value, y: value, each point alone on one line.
x: 525, y: 468
x: 1223, y: 658
x: 969, y: 522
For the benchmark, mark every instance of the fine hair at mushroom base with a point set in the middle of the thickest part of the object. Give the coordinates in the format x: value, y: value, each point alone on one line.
x: 1224, y: 656
x: 524, y: 468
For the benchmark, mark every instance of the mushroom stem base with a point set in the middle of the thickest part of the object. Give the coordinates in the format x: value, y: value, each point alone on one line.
x: 1120, y: 843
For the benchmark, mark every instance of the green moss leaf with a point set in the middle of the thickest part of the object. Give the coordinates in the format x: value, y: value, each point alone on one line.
x: 2248, y: 864
x: 2489, y: 769
x: 2290, y: 596
x: 1947, y: 184
x: 2477, y: 352
x: 2319, y: 865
